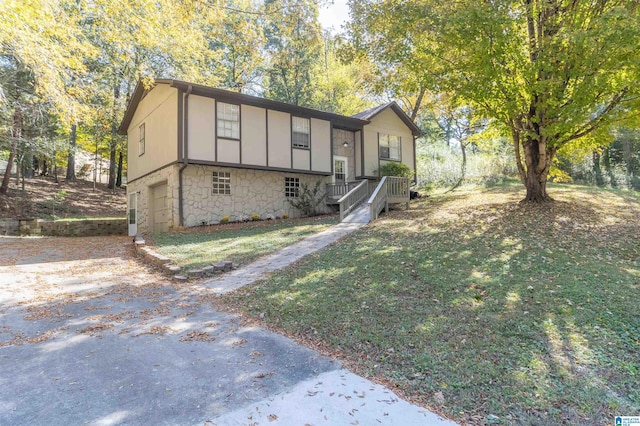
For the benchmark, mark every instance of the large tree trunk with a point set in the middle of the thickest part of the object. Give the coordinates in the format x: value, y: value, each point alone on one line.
x: 16, y: 132
x: 71, y: 158
x: 538, y: 162
x: 114, y: 138
x: 597, y: 171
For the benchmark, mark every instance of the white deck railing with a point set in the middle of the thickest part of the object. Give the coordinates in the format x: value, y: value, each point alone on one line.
x: 378, y: 199
x: 339, y: 189
x: 353, y: 198
x: 391, y: 189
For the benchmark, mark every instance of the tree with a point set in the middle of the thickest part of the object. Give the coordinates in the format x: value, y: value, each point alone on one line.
x: 549, y: 72
x: 293, y: 45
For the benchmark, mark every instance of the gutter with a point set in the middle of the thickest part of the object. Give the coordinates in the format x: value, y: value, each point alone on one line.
x: 185, y: 130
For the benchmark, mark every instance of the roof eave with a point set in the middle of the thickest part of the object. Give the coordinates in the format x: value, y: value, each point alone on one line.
x: 221, y: 94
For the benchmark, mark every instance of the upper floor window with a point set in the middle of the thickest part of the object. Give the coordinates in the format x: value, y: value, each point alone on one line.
x: 141, y: 142
x: 300, y: 132
x: 228, y: 120
x: 389, y: 147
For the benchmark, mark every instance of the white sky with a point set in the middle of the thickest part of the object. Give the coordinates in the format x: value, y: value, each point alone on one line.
x: 334, y: 15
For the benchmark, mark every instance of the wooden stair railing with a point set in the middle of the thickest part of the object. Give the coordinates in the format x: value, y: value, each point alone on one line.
x: 353, y: 198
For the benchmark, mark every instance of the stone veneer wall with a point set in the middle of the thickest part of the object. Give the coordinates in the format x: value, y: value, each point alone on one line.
x: 83, y: 228
x: 67, y: 228
x: 143, y: 187
x: 339, y: 138
x: 252, y: 192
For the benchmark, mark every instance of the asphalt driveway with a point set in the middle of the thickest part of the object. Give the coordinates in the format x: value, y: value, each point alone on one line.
x: 88, y: 335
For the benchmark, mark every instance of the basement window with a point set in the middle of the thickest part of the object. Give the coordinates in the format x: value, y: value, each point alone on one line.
x: 221, y: 183
x: 291, y: 187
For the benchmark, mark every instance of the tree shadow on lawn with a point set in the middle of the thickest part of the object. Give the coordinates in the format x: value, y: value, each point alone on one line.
x: 519, y: 311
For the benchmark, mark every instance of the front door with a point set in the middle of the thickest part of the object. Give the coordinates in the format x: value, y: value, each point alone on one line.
x: 339, y: 169
x: 133, y: 214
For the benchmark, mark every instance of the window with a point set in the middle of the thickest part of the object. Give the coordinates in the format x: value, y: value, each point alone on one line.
x: 291, y: 187
x: 141, y: 140
x: 389, y: 147
x: 228, y: 121
x: 221, y: 183
x: 300, y: 132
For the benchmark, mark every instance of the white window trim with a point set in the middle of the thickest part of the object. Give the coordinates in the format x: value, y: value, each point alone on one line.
x: 306, y: 130
x: 225, y: 124
x: 142, y: 134
x: 220, y: 181
x: 388, y: 145
x: 288, y: 188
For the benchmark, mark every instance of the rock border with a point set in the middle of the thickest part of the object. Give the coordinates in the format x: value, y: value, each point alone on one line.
x: 163, y: 263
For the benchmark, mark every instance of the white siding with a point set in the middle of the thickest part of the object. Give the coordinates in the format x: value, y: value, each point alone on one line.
x: 279, y: 139
x: 321, y: 145
x: 201, y: 128
x: 158, y: 111
x: 254, y: 136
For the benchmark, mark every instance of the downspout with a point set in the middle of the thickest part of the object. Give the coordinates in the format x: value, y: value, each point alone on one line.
x: 185, y: 142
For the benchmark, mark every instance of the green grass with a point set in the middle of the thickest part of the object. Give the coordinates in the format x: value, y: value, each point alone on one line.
x: 240, y: 243
x: 515, y: 313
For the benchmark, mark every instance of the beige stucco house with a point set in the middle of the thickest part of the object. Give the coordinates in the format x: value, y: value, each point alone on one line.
x: 197, y: 153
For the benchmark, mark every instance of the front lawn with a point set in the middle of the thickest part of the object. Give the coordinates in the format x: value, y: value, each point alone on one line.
x: 240, y: 243
x: 483, y: 309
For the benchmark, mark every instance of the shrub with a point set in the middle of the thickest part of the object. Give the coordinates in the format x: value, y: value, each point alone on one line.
x: 225, y: 219
x: 396, y: 169
x: 285, y: 216
x: 255, y: 217
x: 308, y: 199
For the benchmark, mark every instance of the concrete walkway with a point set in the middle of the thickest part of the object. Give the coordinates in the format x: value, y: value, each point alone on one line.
x: 283, y: 258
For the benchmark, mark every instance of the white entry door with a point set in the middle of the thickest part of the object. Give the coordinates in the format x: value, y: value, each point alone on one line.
x: 340, y: 169
x: 133, y: 214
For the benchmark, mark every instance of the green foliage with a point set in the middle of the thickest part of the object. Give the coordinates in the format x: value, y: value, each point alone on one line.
x: 549, y: 74
x: 293, y: 43
x: 396, y: 169
x: 308, y: 198
x: 255, y: 217
x: 285, y: 216
x: 225, y: 219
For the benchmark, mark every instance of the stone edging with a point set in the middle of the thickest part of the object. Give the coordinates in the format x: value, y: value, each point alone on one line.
x: 164, y: 263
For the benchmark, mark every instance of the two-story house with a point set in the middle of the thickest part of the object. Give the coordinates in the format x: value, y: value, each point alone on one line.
x: 197, y: 153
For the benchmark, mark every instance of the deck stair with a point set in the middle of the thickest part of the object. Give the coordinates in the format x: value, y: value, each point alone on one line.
x: 359, y: 205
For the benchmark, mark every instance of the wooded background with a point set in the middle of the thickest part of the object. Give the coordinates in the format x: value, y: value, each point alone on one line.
x: 539, y: 89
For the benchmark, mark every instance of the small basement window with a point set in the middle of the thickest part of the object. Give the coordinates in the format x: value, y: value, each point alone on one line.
x: 291, y: 187
x: 221, y: 183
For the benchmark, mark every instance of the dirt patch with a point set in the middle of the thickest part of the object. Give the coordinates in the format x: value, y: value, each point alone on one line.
x: 44, y: 198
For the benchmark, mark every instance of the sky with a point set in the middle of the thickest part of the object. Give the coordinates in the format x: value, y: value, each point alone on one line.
x: 334, y: 15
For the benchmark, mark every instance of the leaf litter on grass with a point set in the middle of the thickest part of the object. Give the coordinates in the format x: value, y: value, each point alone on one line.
x: 508, y: 312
